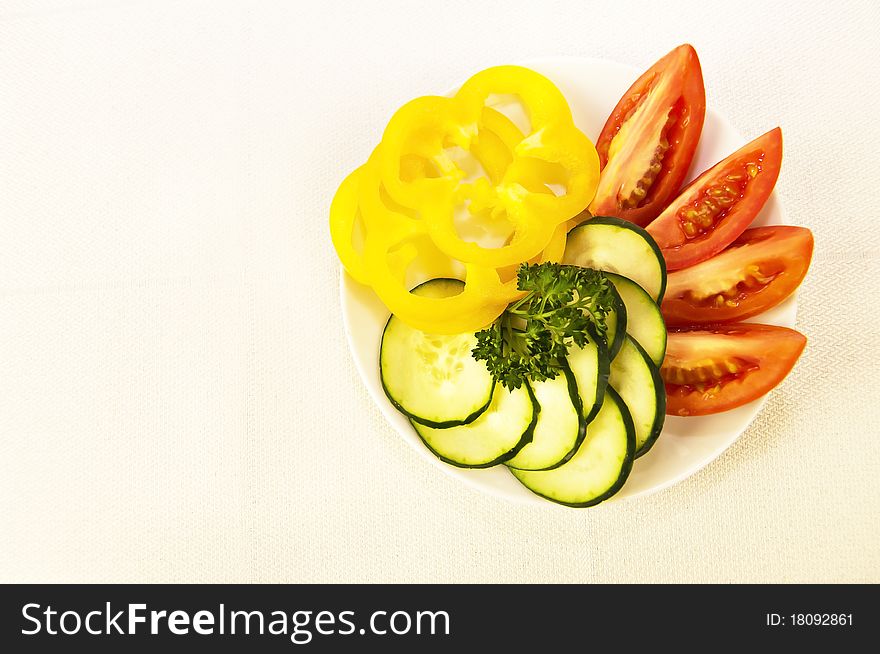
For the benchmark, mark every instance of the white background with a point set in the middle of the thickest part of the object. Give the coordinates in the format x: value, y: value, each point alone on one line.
x: 177, y: 401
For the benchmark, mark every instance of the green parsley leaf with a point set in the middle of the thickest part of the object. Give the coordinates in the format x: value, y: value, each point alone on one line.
x: 563, y: 306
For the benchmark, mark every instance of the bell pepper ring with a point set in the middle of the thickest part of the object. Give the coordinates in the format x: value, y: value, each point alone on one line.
x: 395, y: 242
x: 461, y: 154
x: 553, y: 252
x: 471, y: 310
x: 344, y: 216
x: 432, y: 262
x: 380, y: 210
x: 495, y: 142
x: 555, y: 153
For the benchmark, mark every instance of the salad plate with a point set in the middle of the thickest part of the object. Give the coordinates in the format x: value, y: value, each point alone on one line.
x: 686, y: 445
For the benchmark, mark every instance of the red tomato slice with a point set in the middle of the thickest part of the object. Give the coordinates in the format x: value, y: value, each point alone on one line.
x: 723, y: 367
x: 762, y: 268
x: 717, y: 206
x: 648, y: 142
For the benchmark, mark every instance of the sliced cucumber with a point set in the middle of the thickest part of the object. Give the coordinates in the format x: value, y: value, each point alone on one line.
x: 621, y: 247
x: 498, y: 434
x: 560, y: 427
x: 616, y: 322
x: 635, y: 377
x: 600, y: 466
x: 590, y: 367
x: 644, y: 321
x: 433, y: 378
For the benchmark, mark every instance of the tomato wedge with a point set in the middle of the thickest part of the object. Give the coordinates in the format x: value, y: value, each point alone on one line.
x: 717, y: 206
x: 720, y: 368
x: 648, y: 142
x: 762, y: 268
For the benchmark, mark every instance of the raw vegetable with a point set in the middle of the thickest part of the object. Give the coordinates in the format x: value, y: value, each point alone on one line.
x: 441, y: 158
x: 635, y: 377
x: 648, y: 142
x: 561, y: 307
x: 600, y: 466
x: 345, y: 223
x: 401, y: 243
x: 644, y: 320
x: 560, y: 427
x: 763, y: 267
x: 590, y: 366
x: 495, y: 436
x: 615, y: 323
x: 554, y: 152
x: 433, y: 378
x: 621, y: 247
x: 720, y: 368
x: 717, y: 206
x: 544, y: 357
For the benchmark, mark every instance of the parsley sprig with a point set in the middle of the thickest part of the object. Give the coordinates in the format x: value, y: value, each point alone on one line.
x: 563, y: 305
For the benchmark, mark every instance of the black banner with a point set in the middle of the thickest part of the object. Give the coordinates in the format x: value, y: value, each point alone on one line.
x: 110, y: 618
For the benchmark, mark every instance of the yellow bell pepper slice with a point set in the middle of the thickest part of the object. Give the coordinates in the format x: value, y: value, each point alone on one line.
x: 344, y: 217
x: 440, y: 157
x: 555, y: 153
x: 394, y: 243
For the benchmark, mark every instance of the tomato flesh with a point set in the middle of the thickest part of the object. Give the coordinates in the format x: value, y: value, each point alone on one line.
x: 758, y: 271
x: 716, y: 207
x: 720, y: 368
x: 702, y: 214
x: 649, y: 140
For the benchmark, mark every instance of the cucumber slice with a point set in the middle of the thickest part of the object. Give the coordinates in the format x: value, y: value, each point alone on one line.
x: 621, y: 247
x: 590, y: 367
x: 635, y: 377
x: 599, y: 468
x: 644, y: 321
x: 432, y: 378
x: 498, y: 434
x: 560, y: 427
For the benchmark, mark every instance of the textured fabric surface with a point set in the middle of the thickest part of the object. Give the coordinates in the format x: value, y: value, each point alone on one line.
x: 177, y: 400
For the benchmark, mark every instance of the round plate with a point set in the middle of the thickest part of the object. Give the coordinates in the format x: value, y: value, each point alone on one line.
x: 686, y: 445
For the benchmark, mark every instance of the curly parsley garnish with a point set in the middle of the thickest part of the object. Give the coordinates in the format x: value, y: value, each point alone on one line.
x: 563, y: 305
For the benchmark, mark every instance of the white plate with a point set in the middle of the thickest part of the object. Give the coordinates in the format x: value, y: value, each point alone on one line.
x: 686, y: 445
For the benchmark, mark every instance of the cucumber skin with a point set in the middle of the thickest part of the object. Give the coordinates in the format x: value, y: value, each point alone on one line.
x: 575, y: 397
x: 602, y: 382
x: 619, y: 222
x: 620, y: 327
x: 660, y: 393
x: 525, y: 440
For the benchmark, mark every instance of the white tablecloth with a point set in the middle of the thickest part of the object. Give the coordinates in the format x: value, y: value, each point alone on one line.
x: 177, y: 400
